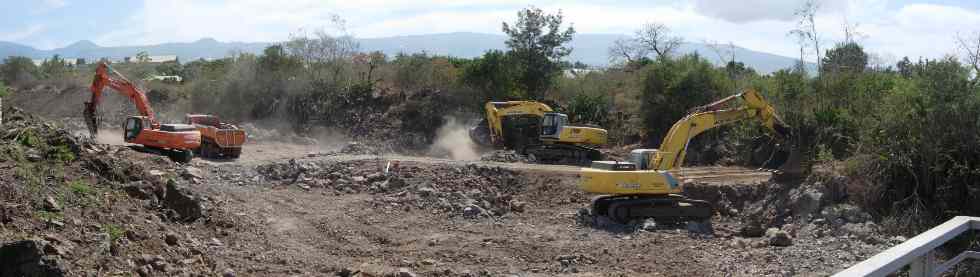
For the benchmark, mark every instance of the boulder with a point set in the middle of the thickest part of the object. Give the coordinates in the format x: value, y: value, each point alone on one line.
x: 777, y: 237
x: 27, y: 258
x: 183, y: 201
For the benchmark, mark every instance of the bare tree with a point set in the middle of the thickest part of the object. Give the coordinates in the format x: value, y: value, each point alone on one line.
x: 324, y: 53
x: 657, y: 37
x: 626, y: 51
x: 851, y: 32
x: 970, y: 46
x: 725, y: 52
x: 806, y: 29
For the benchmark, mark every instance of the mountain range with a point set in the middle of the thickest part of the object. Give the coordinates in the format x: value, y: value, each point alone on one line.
x: 591, y: 49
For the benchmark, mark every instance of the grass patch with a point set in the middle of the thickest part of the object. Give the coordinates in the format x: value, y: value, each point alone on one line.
x: 29, y: 138
x: 61, y: 153
x: 81, y: 188
x: 115, y: 231
x: 48, y: 216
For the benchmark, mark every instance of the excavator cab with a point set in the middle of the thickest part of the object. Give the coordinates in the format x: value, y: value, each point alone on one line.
x: 551, y: 125
x: 133, y: 127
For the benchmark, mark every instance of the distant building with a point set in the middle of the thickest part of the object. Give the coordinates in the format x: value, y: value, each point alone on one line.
x: 68, y: 61
x: 164, y: 78
x: 573, y: 73
x: 152, y: 59
x: 163, y: 59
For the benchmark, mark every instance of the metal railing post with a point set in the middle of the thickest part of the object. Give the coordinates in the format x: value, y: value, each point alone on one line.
x: 922, y: 267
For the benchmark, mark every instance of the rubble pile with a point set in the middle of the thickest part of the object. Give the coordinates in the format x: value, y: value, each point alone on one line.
x: 71, y: 207
x: 504, y: 156
x: 470, y: 191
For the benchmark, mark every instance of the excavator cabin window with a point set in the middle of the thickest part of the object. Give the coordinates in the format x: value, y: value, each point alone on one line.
x: 551, y: 124
x: 133, y: 127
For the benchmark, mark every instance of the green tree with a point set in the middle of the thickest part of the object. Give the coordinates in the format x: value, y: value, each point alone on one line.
x: 142, y: 56
x: 537, y: 43
x: 844, y: 58
x: 170, y: 69
x: 3, y: 90
x: 54, y: 68
x: 493, y: 77
x: 18, y: 70
x: 924, y: 139
x: 671, y: 88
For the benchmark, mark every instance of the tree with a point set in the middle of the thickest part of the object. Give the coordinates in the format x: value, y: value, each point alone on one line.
x: 657, y: 37
x: 847, y: 58
x: 325, y: 55
x: 3, y: 90
x: 671, y: 88
x: 170, y: 69
x: 651, y: 38
x: 537, y: 42
x: 627, y: 52
x: 904, y: 67
x: 3, y: 93
x: 17, y: 70
x: 54, y: 68
x: 493, y: 76
x: 970, y: 47
x: 143, y: 57
x: 806, y: 30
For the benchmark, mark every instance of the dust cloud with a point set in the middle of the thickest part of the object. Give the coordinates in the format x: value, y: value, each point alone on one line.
x: 453, y: 138
x: 105, y: 136
x: 110, y: 136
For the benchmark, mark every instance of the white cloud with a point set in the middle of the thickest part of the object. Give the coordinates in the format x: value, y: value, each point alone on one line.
x: 47, y: 5
x: 54, y: 4
x: 912, y: 29
x: 22, y: 34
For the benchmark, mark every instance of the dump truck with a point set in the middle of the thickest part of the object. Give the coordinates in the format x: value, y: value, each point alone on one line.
x: 218, y: 139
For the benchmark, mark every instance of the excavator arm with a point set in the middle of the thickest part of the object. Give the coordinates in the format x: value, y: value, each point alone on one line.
x: 649, y: 188
x: 120, y: 84
x: 674, y: 146
x: 490, y: 130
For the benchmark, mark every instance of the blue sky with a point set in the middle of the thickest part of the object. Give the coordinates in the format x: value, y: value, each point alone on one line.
x: 888, y: 28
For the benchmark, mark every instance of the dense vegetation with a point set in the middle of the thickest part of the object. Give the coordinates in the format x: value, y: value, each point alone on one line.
x: 907, y: 134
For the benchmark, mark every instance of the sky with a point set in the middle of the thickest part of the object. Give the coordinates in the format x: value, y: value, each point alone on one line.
x: 889, y: 29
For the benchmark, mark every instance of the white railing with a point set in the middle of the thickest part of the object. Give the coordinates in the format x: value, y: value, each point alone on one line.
x: 918, y: 253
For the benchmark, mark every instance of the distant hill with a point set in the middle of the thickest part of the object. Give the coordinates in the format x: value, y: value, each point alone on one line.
x: 590, y: 49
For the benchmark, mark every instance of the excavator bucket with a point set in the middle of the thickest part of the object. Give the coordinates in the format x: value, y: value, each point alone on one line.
x: 792, y: 167
x: 480, y: 133
x: 91, y: 120
x: 786, y: 160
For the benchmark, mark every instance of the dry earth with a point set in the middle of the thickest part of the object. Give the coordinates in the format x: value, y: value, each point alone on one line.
x: 286, y: 209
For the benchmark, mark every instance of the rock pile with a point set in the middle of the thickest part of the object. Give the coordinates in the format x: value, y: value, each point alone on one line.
x: 504, y: 156
x: 469, y: 191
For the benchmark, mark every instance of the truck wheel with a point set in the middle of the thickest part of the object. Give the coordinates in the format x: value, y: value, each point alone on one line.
x: 184, y: 156
x: 233, y: 153
x: 205, y: 150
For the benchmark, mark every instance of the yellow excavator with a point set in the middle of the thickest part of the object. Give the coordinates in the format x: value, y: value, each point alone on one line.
x: 645, y: 187
x: 533, y: 129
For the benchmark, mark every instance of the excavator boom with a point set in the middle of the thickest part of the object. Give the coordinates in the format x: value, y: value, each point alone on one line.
x: 673, y: 148
x: 647, y: 188
x: 177, y: 139
x: 119, y: 83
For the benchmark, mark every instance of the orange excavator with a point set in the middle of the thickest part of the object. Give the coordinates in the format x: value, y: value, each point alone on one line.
x: 176, y: 140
